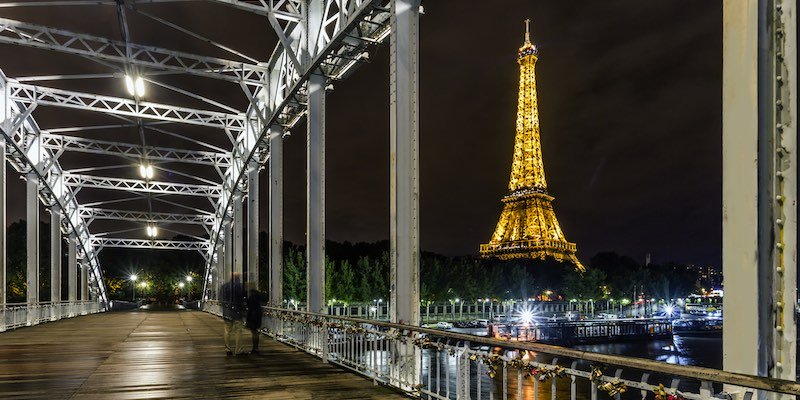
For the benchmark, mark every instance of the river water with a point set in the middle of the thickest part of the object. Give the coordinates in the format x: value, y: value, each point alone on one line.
x: 697, y: 351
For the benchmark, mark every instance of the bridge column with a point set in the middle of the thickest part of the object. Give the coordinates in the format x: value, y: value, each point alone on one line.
x: 252, y: 224
x: 55, y: 262
x: 32, y: 247
x: 3, y: 183
x: 72, y: 267
x: 84, y: 281
x: 55, y: 255
x: 276, y: 216
x: 238, y: 236
x: 759, y: 187
x: 315, y: 186
x: 227, y: 252
x: 404, y: 184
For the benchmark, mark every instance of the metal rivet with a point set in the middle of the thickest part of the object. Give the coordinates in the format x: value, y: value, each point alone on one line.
x: 779, y: 198
x: 779, y: 304
x: 779, y: 269
x: 779, y: 329
x: 779, y: 221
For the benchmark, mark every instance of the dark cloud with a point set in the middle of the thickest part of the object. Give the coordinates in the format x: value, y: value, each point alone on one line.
x: 630, y: 106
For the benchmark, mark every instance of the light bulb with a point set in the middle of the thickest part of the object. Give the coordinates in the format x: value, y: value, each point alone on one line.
x: 142, y: 171
x: 139, y: 86
x: 149, y: 172
x: 129, y: 85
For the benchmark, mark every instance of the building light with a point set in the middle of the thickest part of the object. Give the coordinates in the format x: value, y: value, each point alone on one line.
x: 139, y: 86
x: 130, y: 85
x: 146, y: 171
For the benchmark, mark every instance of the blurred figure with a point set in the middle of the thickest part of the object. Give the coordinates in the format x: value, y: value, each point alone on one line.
x: 254, y: 314
x: 232, y: 295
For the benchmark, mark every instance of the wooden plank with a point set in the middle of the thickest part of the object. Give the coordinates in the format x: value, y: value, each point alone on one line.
x: 167, y: 354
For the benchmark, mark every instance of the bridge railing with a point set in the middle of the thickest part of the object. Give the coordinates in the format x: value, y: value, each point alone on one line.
x: 434, y: 364
x: 15, y: 315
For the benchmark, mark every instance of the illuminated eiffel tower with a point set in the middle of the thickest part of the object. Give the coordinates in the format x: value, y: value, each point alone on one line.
x: 528, y: 227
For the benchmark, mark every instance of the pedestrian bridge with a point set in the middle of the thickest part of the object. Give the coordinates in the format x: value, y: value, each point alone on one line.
x: 162, y: 354
x: 179, y: 353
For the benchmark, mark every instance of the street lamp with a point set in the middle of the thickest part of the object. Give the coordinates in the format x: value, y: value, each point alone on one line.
x: 189, y: 290
x: 133, y: 283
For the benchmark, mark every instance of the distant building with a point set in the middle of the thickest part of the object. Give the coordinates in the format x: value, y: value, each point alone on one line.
x: 708, y: 276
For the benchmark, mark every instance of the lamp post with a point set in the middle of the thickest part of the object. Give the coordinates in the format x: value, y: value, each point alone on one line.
x: 133, y: 283
x: 189, y: 289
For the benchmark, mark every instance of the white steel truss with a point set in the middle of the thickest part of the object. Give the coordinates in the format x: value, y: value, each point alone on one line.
x: 40, y: 95
x: 101, y: 242
x: 133, y: 151
x: 140, y: 186
x: 93, y: 213
x: 21, y: 33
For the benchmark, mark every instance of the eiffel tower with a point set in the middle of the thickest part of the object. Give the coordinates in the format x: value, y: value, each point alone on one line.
x: 528, y: 227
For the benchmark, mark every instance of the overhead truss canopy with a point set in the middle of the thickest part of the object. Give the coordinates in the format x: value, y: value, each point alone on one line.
x: 326, y: 38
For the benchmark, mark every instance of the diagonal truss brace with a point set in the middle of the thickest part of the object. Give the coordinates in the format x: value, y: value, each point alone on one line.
x: 133, y: 151
x: 91, y: 213
x: 141, y: 186
x: 42, y: 37
x: 124, y: 107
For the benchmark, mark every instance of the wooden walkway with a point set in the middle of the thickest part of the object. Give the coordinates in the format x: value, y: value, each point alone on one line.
x: 162, y: 354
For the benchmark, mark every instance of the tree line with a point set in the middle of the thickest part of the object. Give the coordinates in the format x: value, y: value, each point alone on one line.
x: 359, y: 272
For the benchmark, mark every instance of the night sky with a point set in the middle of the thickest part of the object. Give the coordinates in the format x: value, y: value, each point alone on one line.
x: 629, y: 101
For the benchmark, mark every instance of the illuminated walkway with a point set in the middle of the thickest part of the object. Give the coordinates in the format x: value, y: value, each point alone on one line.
x: 166, y: 354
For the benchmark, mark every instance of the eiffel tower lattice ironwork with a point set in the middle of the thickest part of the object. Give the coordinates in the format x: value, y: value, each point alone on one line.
x: 528, y: 227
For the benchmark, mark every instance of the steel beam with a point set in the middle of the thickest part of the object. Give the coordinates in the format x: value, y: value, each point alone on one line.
x: 228, y: 252
x: 31, y: 94
x: 759, y: 187
x: 72, y: 268
x: 404, y: 183
x: 315, y: 186
x: 3, y: 189
x: 32, y: 240
x: 133, y: 151
x: 91, y: 213
x: 150, y: 244
x: 252, y: 226
x: 85, y: 281
x: 276, y: 217
x: 142, y: 186
x: 42, y: 37
x: 238, y: 237
x: 55, y: 253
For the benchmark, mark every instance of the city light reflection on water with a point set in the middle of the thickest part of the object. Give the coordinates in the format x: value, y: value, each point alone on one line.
x: 698, y: 351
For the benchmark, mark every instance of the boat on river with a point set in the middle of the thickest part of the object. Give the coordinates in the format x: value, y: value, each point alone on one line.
x: 697, y: 327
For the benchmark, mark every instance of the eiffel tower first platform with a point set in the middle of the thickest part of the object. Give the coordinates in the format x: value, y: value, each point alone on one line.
x: 528, y: 227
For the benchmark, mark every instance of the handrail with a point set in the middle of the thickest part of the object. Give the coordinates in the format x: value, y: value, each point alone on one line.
x: 693, y: 372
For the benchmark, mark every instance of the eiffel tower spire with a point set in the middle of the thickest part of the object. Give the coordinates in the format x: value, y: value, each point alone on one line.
x: 528, y: 227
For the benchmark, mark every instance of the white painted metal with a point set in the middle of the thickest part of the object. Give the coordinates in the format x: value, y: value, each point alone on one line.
x: 238, y: 236
x: 32, y: 238
x: 38, y: 36
x: 3, y: 189
x: 140, y: 186
x: 404, y: 162
x: 315, y: 191
x: 784, y: 107
x: 84, y: 281
x: 404, y: 185
x: 72, y: 268
x: 93, y: 213
x: 29, y: 94
x: 276, y: 217
x: 253, y: 226
x: 200, y: 246
x: 759, y: 188
x: 55, y: 253
x: 133, y: 151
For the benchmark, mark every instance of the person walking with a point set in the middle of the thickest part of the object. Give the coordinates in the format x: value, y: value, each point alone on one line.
x: 254, y: 314
x: 232, y: 295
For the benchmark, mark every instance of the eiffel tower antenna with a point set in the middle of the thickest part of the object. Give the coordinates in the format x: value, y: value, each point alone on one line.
x: 528, y: 227
x: 527, y: 30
